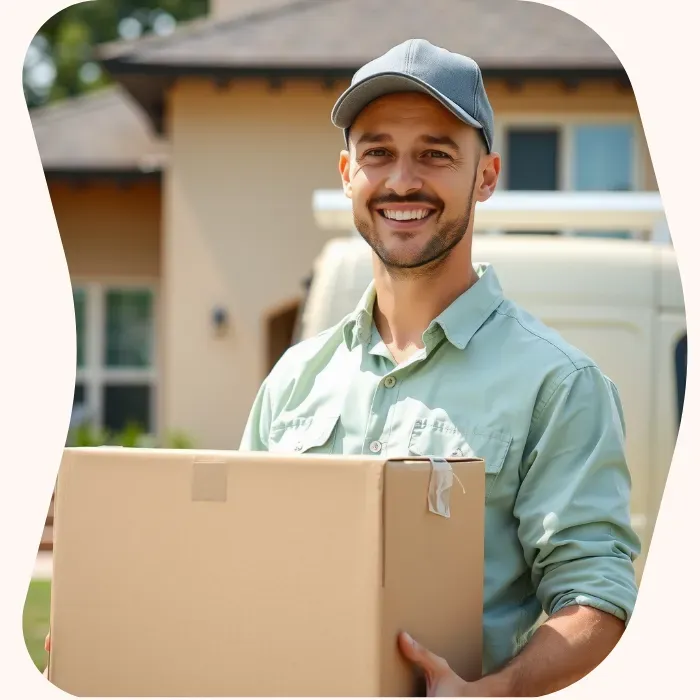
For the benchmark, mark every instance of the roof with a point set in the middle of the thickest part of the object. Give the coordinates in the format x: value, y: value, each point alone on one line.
x: 116, y: 130
x: 344, y: 34
x: 331, y: 39
x: 103, y: 132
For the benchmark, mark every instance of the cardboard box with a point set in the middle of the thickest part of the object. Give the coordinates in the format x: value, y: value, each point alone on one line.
x: 190, y: 573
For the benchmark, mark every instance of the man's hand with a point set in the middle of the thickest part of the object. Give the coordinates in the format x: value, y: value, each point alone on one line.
x: 564, y: 649
x: 441, y: 680
x: 47, y: 648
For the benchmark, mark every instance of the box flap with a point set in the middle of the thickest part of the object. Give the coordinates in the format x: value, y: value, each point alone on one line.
x: 433, y: 569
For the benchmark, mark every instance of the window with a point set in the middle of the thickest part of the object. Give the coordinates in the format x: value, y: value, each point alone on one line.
x: 681, y: 365
x: 533, y: 156
x: 572, y: 155
x: 603, y: 158
x: 116, y: 377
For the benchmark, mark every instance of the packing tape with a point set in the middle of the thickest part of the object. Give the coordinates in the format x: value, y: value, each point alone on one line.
x: 441, y: 479
x: 209, y: 481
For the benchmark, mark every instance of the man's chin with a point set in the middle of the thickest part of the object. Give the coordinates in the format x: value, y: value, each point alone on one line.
x: 407, y: 250
x: 409, y: 262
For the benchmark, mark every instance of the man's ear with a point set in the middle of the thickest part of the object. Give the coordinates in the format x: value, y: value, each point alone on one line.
x: 344, y: 167
x: 489, y: 172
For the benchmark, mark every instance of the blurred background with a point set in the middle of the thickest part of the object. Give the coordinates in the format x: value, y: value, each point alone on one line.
x: 192, y: 167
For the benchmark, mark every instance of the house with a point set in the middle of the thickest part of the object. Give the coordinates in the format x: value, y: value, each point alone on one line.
x: 183, y: 194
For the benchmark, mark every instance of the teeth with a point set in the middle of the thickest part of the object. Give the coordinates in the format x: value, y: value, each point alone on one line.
x: 399, y: 215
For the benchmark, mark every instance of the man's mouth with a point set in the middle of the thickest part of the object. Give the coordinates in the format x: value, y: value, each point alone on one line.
x: 405, y: 214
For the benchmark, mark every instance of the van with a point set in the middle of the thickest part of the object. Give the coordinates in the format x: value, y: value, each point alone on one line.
x: 619, y: 301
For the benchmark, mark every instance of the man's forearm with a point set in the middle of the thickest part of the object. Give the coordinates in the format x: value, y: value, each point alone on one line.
x: 565, y: 648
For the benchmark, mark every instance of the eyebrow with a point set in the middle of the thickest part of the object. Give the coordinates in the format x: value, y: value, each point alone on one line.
x: 440, y: 141
x: 370, y: 137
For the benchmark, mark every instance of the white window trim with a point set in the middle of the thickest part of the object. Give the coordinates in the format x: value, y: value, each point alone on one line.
x: 565, y: 122
x: 94, y: 374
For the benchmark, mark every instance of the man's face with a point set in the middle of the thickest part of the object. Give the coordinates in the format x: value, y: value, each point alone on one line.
x: 413, y: 171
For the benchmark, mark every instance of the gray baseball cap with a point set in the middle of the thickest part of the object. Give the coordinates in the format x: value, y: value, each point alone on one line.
x: 417, y: 65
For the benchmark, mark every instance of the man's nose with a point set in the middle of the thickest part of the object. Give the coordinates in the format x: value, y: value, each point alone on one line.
x: 403, y: 178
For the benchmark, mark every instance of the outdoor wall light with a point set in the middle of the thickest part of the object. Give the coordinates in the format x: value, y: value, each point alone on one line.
x: 219, y: 318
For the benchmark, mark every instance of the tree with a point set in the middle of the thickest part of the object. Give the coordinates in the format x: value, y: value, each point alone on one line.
x: 60, y: 62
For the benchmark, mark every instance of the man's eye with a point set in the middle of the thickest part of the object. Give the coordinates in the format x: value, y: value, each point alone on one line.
x: 438, y: 154
x: 376, y: 152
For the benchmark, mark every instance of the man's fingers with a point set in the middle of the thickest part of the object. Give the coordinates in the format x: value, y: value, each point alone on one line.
x: 429, y: 663
x: 47, y: 642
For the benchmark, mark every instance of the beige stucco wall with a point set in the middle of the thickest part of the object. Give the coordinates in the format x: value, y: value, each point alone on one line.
x: 239, y: 232
x: 109, y: 231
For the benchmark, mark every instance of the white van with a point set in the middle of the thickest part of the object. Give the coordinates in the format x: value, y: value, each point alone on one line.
x: 620, y: 301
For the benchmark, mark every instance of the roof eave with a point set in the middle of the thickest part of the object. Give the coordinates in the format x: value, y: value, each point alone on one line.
x: 121, y: 175
x: 148, y: 82
x: 119, y: 67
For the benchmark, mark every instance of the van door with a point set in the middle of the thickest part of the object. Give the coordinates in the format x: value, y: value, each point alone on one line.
x: 620, y: 341
x: 670, y: 366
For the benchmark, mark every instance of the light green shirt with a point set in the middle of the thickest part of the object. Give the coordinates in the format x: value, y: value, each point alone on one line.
x: 492, y: 382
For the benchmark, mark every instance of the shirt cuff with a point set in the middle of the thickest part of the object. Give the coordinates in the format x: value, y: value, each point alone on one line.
x: 591, y: 601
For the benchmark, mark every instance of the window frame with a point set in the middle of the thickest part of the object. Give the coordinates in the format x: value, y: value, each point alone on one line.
x: 95, y: 374
x: 566, y: 124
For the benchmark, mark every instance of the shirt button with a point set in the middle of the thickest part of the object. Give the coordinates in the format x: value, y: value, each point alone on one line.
x: 376, y: 446
x: 299, y: 446
x: 390, y: 382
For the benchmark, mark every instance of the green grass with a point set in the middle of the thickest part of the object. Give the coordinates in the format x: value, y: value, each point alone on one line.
x: 35, y: 621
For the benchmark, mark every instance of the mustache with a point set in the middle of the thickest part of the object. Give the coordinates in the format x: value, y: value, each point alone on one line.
x: 416, y: 198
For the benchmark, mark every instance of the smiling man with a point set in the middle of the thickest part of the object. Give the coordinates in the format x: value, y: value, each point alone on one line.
x: 436, y: 361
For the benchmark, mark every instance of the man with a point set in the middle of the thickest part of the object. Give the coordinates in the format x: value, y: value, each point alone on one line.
x: 435, y: 361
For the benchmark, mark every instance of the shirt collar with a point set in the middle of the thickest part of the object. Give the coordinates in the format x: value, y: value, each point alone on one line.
x: 358, y: 327
x: 458, y: 322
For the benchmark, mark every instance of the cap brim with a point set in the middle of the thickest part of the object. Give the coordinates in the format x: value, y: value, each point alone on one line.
x: 358, y: 96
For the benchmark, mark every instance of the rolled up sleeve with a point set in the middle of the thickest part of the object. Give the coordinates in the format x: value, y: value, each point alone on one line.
x: 573, y: 505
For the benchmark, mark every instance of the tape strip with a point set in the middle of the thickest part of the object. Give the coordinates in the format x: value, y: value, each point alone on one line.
x: 441, y: 479
x: 210, y: 481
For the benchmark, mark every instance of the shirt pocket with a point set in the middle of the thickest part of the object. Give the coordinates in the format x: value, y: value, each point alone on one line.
x: 443, y: 439
x: 304, y: 435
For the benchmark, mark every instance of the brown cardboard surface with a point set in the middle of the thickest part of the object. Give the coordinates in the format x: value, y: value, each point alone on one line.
x: 189, y: 573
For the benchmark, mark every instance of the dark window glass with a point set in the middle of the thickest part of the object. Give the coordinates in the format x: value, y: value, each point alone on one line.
x: 533, y: 159
x: 129, y: 331
x: 79, y: 305
x: 681, y: 363
x: 127, y: 404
